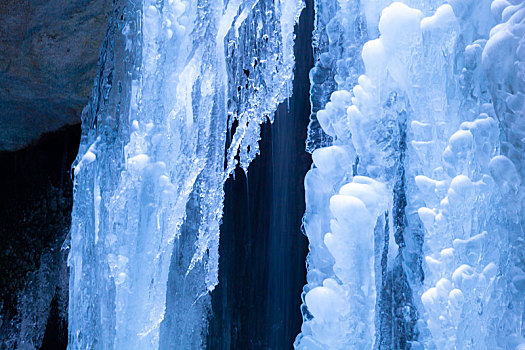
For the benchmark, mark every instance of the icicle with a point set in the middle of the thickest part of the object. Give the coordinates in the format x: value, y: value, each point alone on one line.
x: 150, y: 171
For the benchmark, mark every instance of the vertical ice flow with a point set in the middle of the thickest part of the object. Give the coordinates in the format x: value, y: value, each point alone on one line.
x: 174, y: 76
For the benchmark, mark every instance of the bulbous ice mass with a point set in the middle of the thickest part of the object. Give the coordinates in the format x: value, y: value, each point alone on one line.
x: 436, y: 122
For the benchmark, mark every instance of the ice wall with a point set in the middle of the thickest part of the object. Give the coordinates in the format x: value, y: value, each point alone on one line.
x: 174, y: 78
x: 415, y: 206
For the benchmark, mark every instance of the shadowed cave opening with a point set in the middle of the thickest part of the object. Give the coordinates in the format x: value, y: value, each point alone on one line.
x: 35, y: 209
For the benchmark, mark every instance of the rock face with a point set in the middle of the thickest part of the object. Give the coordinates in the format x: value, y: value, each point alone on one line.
x: 48, y: 60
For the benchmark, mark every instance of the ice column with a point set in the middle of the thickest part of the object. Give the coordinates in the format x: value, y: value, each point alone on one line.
x: 174, y: 77
x: 475, y: 232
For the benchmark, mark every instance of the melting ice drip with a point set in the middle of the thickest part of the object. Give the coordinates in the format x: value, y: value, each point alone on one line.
x: 174, y: 77
x: 415, y: 212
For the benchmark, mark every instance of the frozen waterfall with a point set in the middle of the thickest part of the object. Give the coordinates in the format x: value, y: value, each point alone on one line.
x: 415, y: 207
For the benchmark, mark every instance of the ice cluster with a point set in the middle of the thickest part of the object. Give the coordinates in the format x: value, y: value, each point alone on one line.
x: 182, y: 89
x: 414, y: 203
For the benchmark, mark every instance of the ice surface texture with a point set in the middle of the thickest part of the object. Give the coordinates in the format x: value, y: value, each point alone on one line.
x: 174, y: 77
x: 415, y: 209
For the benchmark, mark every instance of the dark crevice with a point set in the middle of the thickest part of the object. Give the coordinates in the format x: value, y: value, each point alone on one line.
x: 262, y: 249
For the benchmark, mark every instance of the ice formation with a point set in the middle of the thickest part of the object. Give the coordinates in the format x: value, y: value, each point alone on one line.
x: 174, y: 77
x: 414, y: 204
